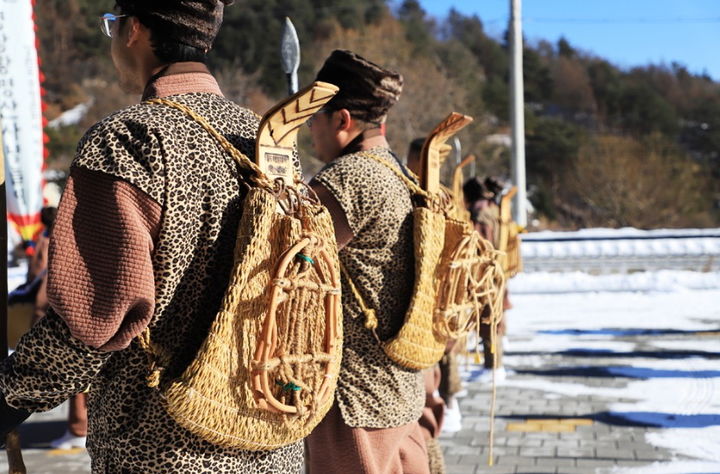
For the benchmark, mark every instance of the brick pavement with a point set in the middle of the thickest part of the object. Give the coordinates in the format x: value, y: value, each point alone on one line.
x: 538, y: 435
x: 538, y: 430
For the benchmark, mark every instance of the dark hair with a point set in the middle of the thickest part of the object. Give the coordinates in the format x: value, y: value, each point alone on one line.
x: 494, y: 185
x: 416, y: 145
x: 165, y: 48
x: 474, y: 190
x: 171, y: 51
x: 47, y: 216
x: 180, y: 30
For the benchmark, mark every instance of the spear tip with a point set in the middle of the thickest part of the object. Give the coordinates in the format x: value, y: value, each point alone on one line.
x: 290, y: 48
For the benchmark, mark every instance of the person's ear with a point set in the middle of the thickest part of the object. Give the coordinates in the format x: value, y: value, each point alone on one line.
x: 345, y: 121
x: 135, y: 31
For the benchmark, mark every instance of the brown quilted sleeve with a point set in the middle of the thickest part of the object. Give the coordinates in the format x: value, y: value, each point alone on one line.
x: 100, y: 273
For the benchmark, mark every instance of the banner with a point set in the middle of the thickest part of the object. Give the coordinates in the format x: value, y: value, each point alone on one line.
x: 21, y: 116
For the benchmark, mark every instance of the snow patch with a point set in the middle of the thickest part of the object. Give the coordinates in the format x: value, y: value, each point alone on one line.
x: 72, y: 116
x: 602, y: 232
x: 684, y: 442
x: 665, y: 281
x: 678, y: 467
x: 692, y: 310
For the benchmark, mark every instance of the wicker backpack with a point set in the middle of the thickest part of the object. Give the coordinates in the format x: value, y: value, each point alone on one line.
x: 509, y: 236
x: 456, y: 271
x: 266, y: 373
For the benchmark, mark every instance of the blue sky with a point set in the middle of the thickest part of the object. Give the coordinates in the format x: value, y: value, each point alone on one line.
x: 627, y: 32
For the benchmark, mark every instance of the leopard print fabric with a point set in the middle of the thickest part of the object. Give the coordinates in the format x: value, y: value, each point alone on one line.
x: 373, y: 391
x: 179, y: 165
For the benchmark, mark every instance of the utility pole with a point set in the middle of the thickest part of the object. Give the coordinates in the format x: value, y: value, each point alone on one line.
x: 517, y: 113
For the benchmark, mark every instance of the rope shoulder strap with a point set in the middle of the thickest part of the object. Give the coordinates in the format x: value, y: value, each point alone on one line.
x: 158, y: 358
x: 411, y: 185
x: 370, y: 314
x: 371, y: 319
x: 237, y: 155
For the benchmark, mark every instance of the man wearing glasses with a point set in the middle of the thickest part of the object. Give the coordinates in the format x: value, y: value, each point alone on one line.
x: 144, y: 236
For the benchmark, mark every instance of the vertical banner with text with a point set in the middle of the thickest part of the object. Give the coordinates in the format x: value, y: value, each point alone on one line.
x: 21, y: 116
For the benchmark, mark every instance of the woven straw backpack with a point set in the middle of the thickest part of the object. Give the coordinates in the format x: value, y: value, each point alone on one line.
x: 457, y: 274
x: 266, y: 373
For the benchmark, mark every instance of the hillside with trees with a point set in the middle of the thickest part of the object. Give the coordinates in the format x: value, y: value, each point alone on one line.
x: 606, y: 146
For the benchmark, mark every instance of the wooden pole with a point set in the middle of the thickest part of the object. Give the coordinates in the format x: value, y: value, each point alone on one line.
x: 12, y: 442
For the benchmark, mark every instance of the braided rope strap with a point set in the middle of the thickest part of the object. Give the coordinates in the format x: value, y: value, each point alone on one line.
x: 158, y: 358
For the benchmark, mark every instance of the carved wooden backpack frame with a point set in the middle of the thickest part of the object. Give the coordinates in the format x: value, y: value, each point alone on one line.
x: 509, y: 240
x: 468, y: 276
x: 276, y: 144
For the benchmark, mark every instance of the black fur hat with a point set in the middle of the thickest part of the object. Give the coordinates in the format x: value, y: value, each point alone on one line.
x: 367, y: 90
x: 192, y: 22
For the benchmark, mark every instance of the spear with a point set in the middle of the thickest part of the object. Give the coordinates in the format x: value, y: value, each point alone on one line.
x: 12, y: 442
x: 290, y: 55
x: 457, y: 151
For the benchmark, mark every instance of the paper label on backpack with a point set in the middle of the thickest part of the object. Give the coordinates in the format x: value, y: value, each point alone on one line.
x: 276, y: 163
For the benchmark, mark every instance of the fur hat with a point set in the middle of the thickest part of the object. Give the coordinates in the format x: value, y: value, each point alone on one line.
x: 367, y: 90
x: 494, y: 185
x: 474, y: 190
x: 191, y: 22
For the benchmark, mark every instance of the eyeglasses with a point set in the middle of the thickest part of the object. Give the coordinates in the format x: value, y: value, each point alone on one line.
x: 323, y: 110
x: 106, y: 23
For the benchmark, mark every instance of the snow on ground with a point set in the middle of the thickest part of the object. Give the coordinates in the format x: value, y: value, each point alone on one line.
x: 711, y: 345
x: 685, y: 396
x: 658, y: 331
x: 676, y: 467
x: 686, y: 440
x: 624, y: 232
x: 684, y: 310
x: 697, y: 363
x: 578, y: 282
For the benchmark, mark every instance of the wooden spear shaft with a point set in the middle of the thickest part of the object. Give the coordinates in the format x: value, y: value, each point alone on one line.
x: 12, y: 442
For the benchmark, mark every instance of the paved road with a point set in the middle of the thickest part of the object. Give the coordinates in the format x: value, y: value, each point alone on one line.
x: 535, y: 433
x: 607, y: 400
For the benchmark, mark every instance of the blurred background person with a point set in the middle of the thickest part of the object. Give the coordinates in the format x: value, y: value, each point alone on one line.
x: 481, y: 199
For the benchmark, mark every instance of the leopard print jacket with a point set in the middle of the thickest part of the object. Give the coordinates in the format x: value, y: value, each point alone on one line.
x: 373, y: 391
x: 176, y: 163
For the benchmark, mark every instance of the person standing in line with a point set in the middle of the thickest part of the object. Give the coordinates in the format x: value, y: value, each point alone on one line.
x: 373, y: 426
x: 485, y: 214
x: 144, y: 236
